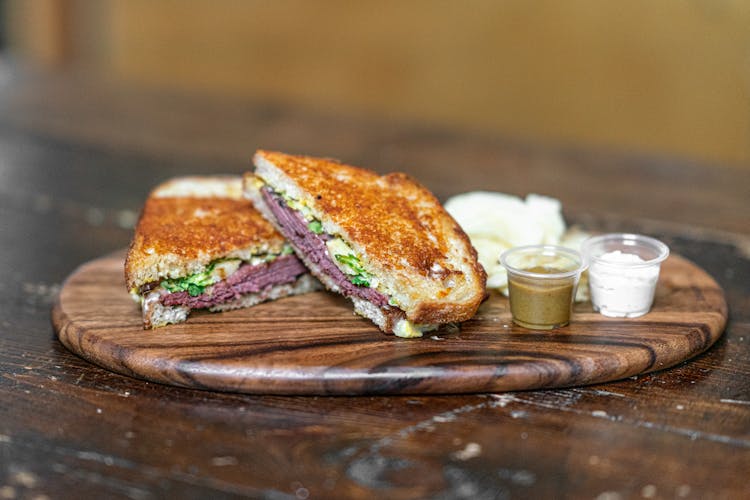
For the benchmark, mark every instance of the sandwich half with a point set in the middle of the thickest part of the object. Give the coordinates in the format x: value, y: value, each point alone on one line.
x: 385, y: 242
x: 200, y: 245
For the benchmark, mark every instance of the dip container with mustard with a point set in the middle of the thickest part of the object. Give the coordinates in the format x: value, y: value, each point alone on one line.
x: 542, y: 282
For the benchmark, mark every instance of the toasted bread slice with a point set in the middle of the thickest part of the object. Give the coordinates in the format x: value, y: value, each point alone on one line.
x: 407, y: 246
x: 195, y: 226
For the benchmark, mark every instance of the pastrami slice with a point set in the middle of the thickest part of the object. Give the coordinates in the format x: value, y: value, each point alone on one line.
x: 247, y: 279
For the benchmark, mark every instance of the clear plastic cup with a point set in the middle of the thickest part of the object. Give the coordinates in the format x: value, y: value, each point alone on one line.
x: 542, y: 281
x: 623, y: 272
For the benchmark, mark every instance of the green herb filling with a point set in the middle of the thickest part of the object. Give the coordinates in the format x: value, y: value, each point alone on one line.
x: 194, y: 284
x: 315, y: 226
x: 358, y: 275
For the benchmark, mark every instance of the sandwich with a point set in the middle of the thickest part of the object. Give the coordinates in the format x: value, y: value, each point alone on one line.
x: 385, y: 242
x: 200, y: 245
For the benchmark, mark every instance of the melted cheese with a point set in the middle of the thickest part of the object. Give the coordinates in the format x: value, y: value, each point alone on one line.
x: 406, y: 329
x: 224, y: 268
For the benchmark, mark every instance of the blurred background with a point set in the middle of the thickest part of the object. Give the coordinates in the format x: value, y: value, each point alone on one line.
x: 669, y: 77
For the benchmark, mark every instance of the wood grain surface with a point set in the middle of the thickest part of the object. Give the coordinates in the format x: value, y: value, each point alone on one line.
x: 77, y: 159
x: 314, y: 344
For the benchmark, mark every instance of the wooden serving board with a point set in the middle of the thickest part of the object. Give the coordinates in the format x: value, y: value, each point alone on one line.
x: 314, y: 344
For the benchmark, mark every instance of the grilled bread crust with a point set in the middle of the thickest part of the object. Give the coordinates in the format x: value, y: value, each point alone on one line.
x: 402, y: 234
x: 190, y: 221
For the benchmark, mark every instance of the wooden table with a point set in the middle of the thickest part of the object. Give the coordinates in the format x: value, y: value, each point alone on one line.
x: 77, y: 158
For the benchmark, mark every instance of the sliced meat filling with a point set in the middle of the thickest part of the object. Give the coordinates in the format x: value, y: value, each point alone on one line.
x: 295, y: 228
x: 247, y: 279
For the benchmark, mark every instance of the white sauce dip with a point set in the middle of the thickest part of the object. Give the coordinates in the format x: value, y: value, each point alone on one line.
x: 619, y: 287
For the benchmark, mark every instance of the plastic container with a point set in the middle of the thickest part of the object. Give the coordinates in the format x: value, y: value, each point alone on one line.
x: 623, y: 272
x: 542, y: 282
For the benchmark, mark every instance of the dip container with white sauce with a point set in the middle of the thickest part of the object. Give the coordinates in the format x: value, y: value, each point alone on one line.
x: 542, y: 281
x: 623, y: 271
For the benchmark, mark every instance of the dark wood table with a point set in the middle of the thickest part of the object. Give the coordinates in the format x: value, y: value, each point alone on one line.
x: 77, y: 158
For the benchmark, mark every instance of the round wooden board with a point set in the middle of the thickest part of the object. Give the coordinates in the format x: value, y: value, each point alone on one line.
x: 314, y: 344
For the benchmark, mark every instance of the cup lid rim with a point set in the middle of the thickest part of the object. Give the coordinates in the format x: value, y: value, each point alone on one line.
x: 636, y: 239
x: 551, y: 249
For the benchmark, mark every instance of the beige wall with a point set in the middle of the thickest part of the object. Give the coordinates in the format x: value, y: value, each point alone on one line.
x: 669, y: 76
x: 36, y: 30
